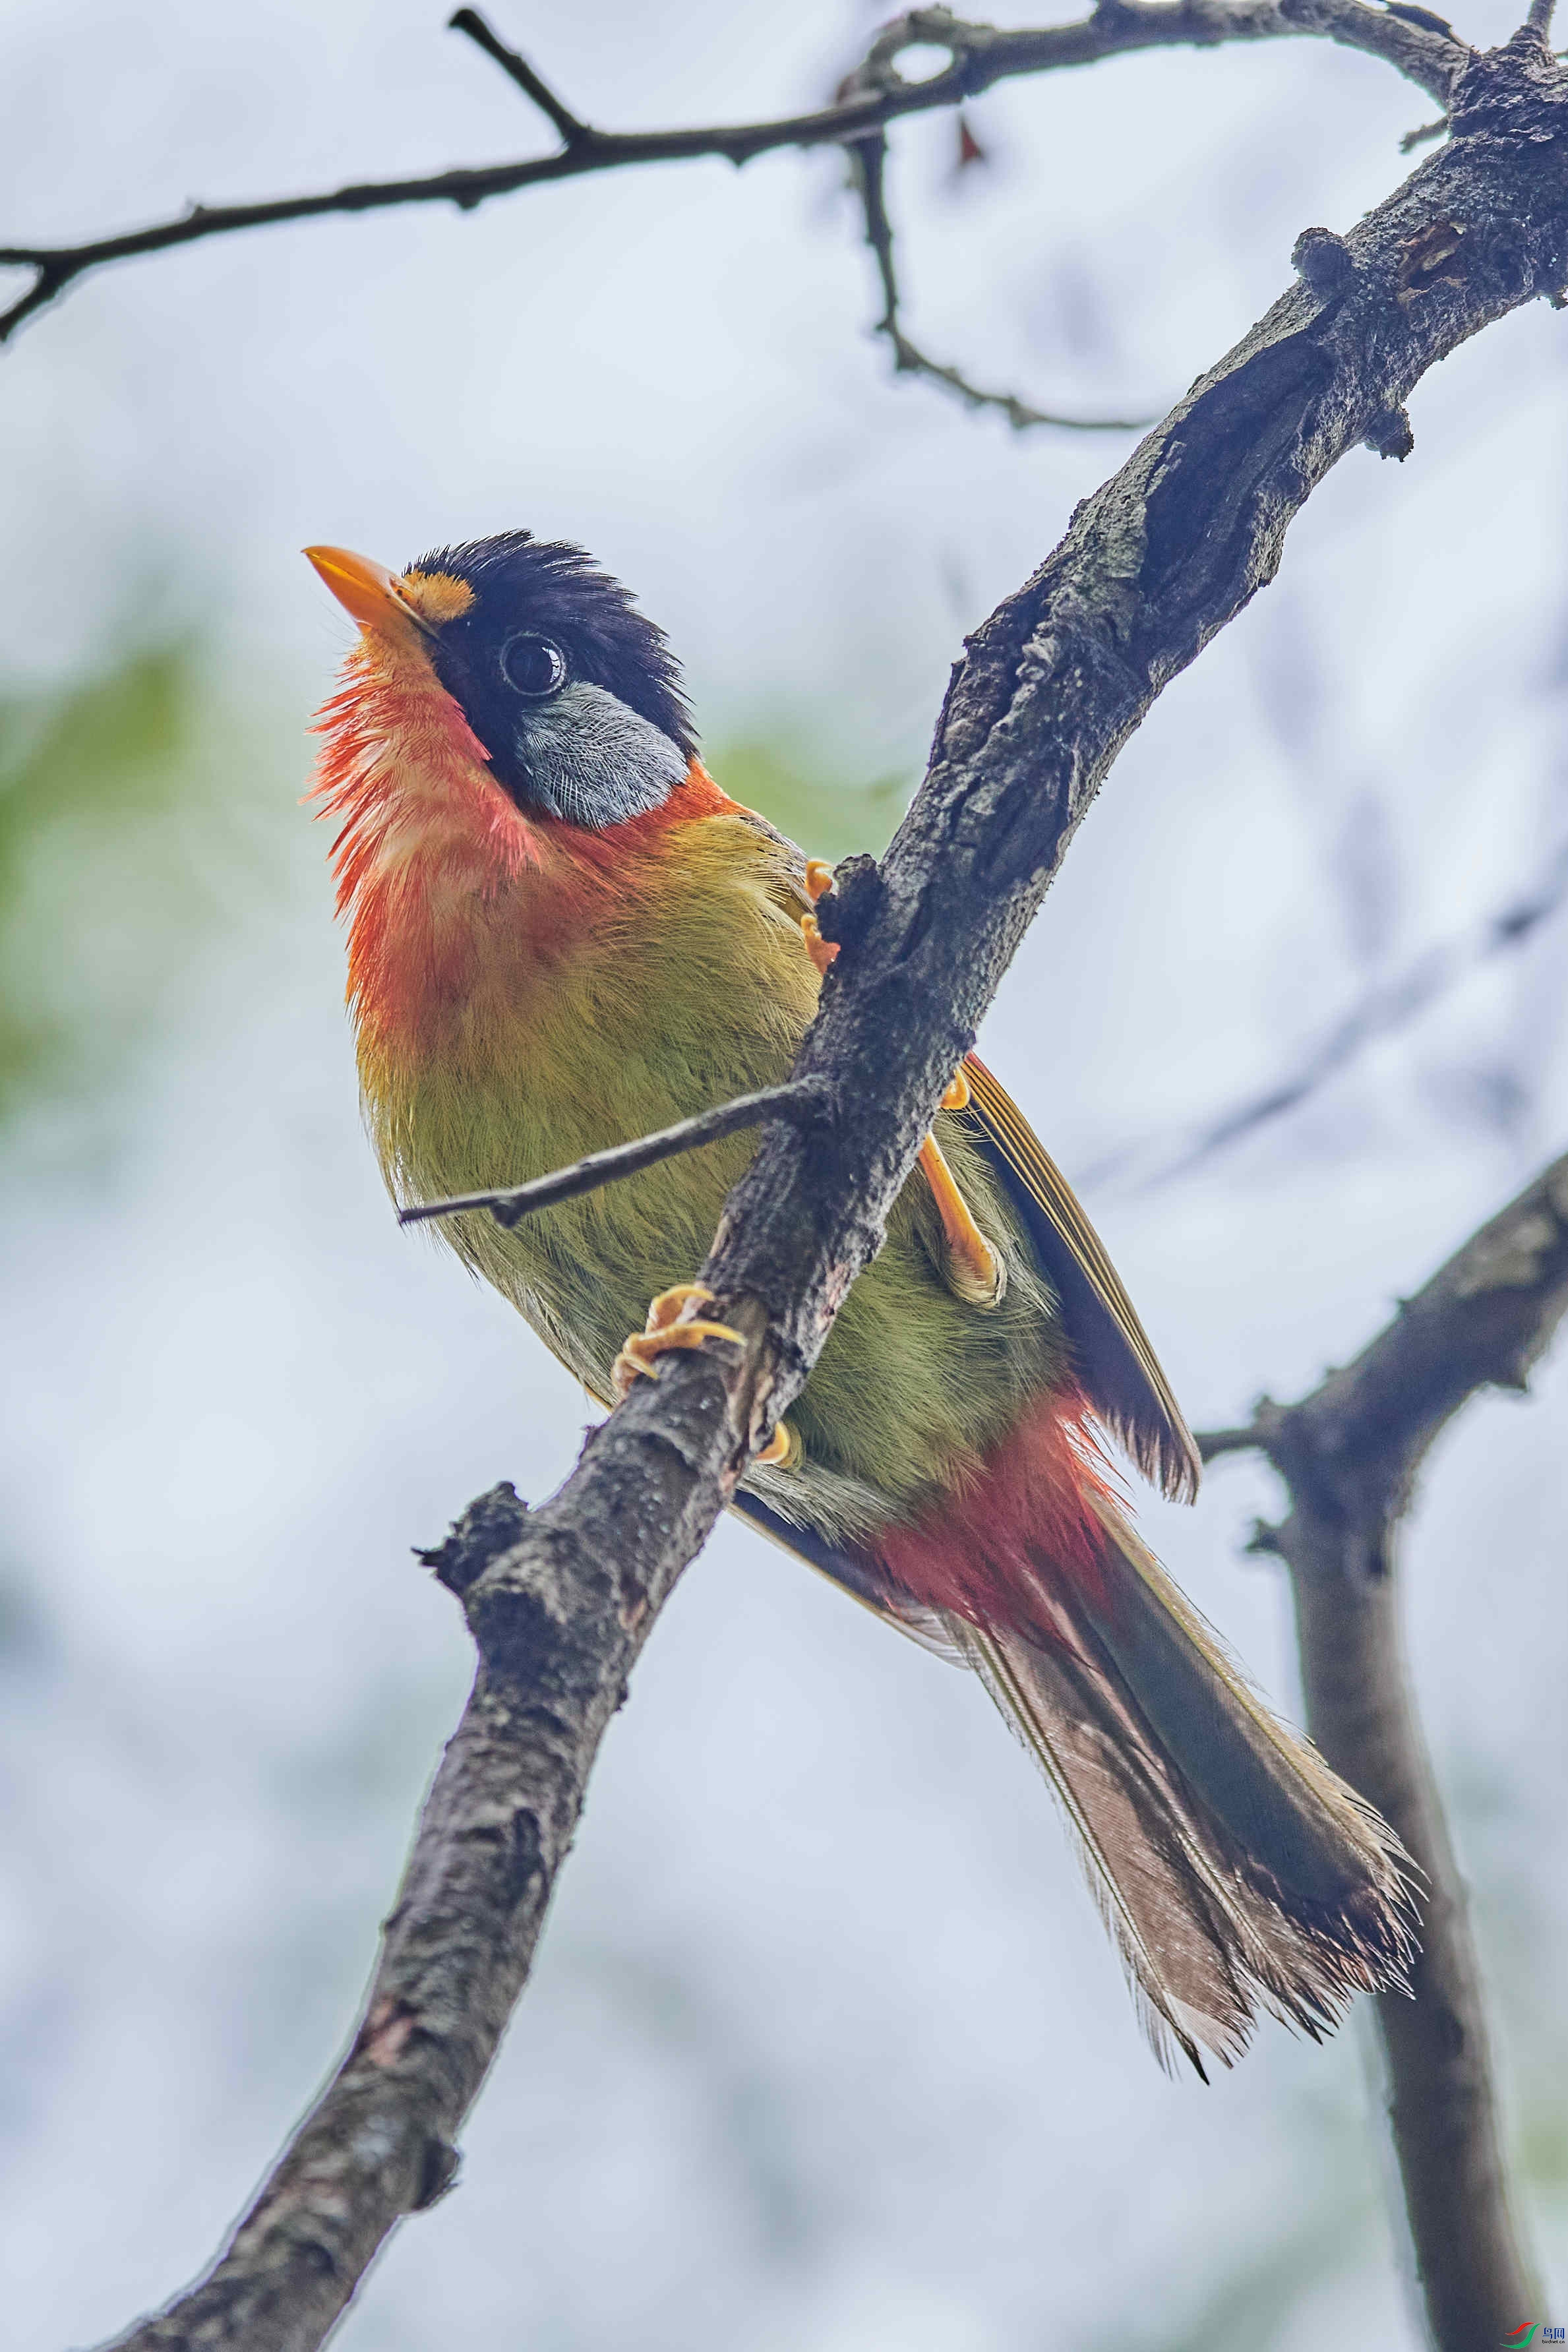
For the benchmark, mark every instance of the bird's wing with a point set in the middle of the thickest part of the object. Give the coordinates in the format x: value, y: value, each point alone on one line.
x: 1120, y: 1373
x: 1119, y: 1370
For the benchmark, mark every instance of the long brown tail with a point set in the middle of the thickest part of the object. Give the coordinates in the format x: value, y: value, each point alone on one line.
x: 1234, y: 1869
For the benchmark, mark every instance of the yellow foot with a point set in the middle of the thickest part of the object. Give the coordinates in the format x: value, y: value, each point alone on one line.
x: 782, y: 1450
x: 818, y: 882
x: 672, y: 1322
x: 973, y: 1270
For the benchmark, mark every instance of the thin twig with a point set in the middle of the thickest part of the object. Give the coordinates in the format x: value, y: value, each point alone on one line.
x: 1349, y: 1454
x: 908, y: 359
x: 1388, y: 1007
x: 801, y: 1100
x: 574, y: 131
x: 982, y: 56
x: 1423, y: 135
x: 1212, y: 1443
x: 867, y: 161
x: 560, y: 1599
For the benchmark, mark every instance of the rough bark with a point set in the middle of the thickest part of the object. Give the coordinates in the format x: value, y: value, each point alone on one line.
x: 1349, y: 1454
x: 560, y: 1599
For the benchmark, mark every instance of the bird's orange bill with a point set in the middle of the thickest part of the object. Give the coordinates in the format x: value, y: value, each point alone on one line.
x: 1119, y: 1370
x: 375, y: 596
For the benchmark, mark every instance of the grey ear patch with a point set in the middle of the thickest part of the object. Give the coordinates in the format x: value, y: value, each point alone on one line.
x: 593, y: 759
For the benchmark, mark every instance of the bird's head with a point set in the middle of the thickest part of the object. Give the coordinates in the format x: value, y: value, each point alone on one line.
x: 506, y: 713
x: 570, y: 697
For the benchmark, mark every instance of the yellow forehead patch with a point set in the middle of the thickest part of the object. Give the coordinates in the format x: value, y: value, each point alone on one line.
x: 437, y: 596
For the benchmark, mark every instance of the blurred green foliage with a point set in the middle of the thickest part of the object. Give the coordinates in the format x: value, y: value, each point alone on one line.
x: 828, y: 816
x: 125, y: 830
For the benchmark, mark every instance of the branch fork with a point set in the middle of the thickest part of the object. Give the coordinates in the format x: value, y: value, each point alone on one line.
x: 1349, y: 1455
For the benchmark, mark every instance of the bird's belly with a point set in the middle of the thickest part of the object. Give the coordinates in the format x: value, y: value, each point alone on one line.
x: 678, y: 1002
x: 912, y: 1384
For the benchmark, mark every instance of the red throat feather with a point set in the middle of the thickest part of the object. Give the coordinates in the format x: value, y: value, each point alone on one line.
x: 426, y: 837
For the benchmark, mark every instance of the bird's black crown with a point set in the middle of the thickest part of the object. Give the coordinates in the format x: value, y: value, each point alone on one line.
x: 525, y: 588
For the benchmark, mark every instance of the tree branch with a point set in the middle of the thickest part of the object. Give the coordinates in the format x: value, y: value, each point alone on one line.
x: 805, y: 1100
x: 560, y: 1599
x: 1422, y: 134
x: 1388, y: 1006
x: 1212, y: 1443
x: 980, y: 57
x: 868, y: 163
x: 1349, y: 1453
x: 574, y: 133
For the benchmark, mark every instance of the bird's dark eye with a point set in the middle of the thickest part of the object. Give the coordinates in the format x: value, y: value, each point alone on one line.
x: 533, y: 665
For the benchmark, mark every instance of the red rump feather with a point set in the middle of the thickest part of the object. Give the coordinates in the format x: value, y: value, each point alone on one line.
x: 988, y: 1549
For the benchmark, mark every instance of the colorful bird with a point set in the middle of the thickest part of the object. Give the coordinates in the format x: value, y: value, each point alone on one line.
x: 562, y: 935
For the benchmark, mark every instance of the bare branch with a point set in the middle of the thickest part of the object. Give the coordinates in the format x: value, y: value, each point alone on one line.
x: 805, y: 1100
x: 869, y: 159
x: 1349, y: 1454
x: 468, y: 21
x: 1387, y: 1007
x: 51, y: 279
x: 982, y: 56
x: 1481, y: 1322
x: 560, y: 1599
x: 1212, y: 1443
x: 1423, y: 135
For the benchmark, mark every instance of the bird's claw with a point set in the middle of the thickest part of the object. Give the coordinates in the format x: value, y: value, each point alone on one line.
x: 972, y: 1270
x: 782, y: 1450
x: 818, y: 882
x: 672, y: 1322
x: 970, y: 1267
